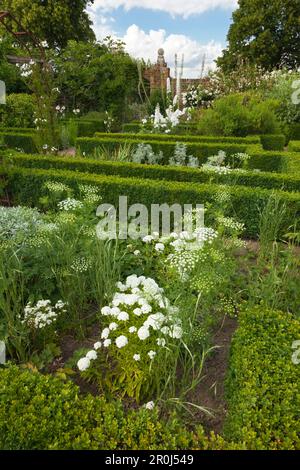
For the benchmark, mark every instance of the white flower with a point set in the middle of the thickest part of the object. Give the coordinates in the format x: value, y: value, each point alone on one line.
x: 138, y: 312
x: 146, y: 308
x: 123, y: 316
x: 121, y: 341
x: 148, y: 239
x: 133, y: 281
x: 132, y: 329
x: 97, y: 345
x: 155, y: 235
x: 121, y: 287
x: 105, y: 333
x: 92, y: 355
x: 159, y: 247
x: 137, y: 357
x: 136, y: 252
x: 115, y: 311
x: 113, y: 326
x: 107, y: 343
x: 83, y: 364
x: 152, y: 354
x: 106, y: 311
x: 143, y: 333
x: 176, y: 332
x: 161, y: 342
x: 150, y: 405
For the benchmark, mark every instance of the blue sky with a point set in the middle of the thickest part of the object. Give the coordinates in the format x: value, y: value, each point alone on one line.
x: 195, y: 28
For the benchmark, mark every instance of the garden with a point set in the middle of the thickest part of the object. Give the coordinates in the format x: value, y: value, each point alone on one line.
x: 173, y: 339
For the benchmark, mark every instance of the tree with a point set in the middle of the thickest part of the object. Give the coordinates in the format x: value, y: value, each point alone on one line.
x: 264, y: 32
x: 54, y: 21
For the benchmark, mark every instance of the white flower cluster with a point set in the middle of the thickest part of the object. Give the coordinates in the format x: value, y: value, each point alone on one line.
x: 69, y: 204
x: 90, y: 193
x: 56, y: 187
x: 165, y: 123
x: 139, y: 313
x: 43, y: 313
x: 230, y: 223
x: 81, y: 265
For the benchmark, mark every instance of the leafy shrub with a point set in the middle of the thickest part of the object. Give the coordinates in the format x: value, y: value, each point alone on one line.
x: 42, y: 412
x: 18, y: 112
x: 239, y: 115
x: 263, y: 383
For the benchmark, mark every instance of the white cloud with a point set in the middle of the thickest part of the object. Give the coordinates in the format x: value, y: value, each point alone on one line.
x: 184, y: 8
x: 144, y: 45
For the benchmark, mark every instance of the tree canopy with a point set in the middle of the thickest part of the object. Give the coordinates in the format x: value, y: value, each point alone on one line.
x: 264, y: 32
x: 54, y: 21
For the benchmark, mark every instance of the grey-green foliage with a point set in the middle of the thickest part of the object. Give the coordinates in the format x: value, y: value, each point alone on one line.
x: 180, y: 157
x: 145, y: 154
x: 18, y: 222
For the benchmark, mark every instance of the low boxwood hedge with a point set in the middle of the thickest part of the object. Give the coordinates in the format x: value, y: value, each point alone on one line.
x: 40, y: 412
x: 273, y: 142
x: 22, y: 141
x: 181, y: 138
x: 294, y: 146
x: 274, y: 161
x: 200, y: 150
x: 283, y: 181
x: 17, y: 130
x: 295, y: 131
x: 263, y: 386
x: 25, y: 186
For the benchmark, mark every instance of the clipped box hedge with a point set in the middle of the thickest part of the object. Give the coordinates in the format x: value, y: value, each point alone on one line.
x: 181, y: 138
x: 40, y: 412
x: 294, y: 146
x: 274, y: 161
x: 190, y: 128
x: 25, y: 187
x: 273, y: 142
x: 24, y: 142
x: 287, y: 182
x: 17, y: 130
x: 199, y: 150
x: 295, y: 131
x: 263, y: 386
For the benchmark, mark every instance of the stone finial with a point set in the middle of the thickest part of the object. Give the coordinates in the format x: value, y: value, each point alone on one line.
x: 161, y: 58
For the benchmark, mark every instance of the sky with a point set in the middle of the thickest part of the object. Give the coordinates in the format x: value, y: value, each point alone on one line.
x: 196, y: 29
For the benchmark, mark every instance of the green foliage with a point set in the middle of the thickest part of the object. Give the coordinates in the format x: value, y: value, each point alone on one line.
x: 282, y: 90
x: 265, y: 34
x: 288, y: 182
x: 55, y: 22
x: 18, y: 111
x: 42, y: 412
x: 295, y: 131
x: 9, y: 73
x: 273, y: 142
x: 187, y: 128
x: 93, y: 76
x: 240, y: 115
x: 263, y: 383
x: 25, y: 186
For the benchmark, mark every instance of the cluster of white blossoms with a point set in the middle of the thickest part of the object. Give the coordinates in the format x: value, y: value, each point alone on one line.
x: 69, y: 204
x: 81, y: 265
x: 232, y: 224
x: 56, y: 187
x: 140, y: 321
x: 43, y: 313
x: 90, y: 193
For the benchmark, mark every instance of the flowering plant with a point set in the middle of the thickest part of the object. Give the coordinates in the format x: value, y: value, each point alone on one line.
x: 140, y: 328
